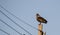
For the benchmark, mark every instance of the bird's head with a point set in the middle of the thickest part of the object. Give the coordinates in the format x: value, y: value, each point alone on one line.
x: 37, y: 15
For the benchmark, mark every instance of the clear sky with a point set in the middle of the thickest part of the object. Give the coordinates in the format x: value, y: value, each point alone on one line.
x: 26, y: 10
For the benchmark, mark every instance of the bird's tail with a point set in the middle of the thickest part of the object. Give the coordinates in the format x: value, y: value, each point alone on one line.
x: 45, y: 22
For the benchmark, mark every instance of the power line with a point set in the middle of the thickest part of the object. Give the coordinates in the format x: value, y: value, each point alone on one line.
x: 15, y: 23
x: 18, y: 18
x: 4, y: 32
x: 10, y: 27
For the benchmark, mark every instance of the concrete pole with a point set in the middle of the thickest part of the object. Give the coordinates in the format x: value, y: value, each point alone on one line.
x: 40, y: 27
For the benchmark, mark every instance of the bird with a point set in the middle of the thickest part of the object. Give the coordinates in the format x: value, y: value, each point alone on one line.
x: 40, y: 19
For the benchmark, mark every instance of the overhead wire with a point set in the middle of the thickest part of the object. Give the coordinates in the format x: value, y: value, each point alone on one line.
x: 4, y: 32
x: 18, y: 18
x: 10, y: 27
x: 15, y: 23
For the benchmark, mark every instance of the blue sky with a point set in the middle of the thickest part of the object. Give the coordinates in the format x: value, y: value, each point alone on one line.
x: 26, y: 10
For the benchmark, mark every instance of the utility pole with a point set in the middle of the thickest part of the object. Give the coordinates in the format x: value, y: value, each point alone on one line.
x: 40, y: 28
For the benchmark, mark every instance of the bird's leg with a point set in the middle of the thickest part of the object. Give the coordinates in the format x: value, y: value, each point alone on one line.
x: 40, y: 23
